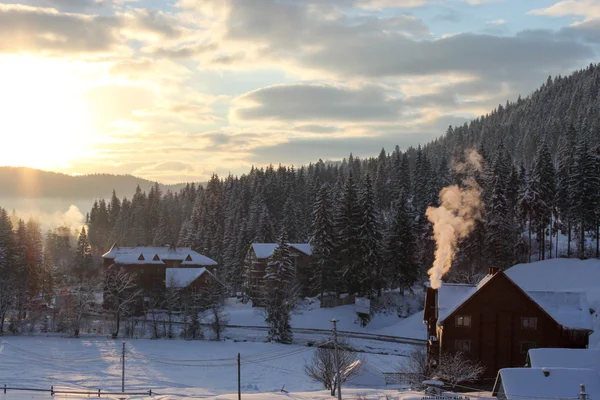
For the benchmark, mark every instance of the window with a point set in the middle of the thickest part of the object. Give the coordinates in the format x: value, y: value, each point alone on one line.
x: 463, y: 321
x: 529, y: 323
x: 525, y: 346
x: 464, y: 346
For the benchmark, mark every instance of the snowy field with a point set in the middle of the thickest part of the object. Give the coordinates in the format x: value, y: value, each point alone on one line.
x: 174, y: 369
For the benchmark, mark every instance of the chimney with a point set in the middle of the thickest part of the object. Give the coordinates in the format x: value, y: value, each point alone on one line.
x: 546, y: 372
x: 493, y: 271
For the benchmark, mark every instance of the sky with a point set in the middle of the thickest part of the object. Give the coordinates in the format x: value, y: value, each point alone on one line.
x: 175, y: 90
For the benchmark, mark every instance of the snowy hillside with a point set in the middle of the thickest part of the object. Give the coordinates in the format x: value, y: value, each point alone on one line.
x: 308, y: 314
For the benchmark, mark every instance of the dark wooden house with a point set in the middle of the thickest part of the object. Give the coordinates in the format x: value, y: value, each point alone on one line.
x: 150, y: 264
x: 496, y: 322
x: 258, y: 258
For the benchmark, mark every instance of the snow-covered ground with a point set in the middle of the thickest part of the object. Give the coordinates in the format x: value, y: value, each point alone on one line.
x: 309, y: 315
x: 174, y: 369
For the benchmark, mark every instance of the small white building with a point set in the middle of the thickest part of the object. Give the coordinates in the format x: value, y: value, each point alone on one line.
x: 564, y: 358
x: 546, y: 383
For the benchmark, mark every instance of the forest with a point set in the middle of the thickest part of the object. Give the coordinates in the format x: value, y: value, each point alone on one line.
x: 365, y: 218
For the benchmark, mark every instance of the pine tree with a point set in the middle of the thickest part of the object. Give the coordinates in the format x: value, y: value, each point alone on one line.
x: 584, y: 185
x: 542, y: 188
x: 382, y: 181
x: 563, y: 199
x: 325, y: 278
x: 500, y: 236
x: 401, y: 253
x: 369, y: 270
x: 280, y: 292
x: 347, y: 243
x: 83, y: 261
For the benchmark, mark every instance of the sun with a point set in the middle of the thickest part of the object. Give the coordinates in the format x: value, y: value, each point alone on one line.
x: 44, y: 120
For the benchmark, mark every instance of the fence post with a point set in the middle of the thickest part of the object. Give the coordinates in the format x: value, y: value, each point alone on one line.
x: 582, y: 394
x: 123, y: 371
x: 239, y: 366
x: 98, y: 392
x: 51, y: 390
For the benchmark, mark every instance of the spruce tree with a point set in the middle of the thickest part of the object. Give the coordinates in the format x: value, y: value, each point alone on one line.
x: 369, y: 269
x: 347, y: 242
x: 83, y: 261
x: 401, y: 253
x: 542, y: 191
x: 584, y: 185
x: 280, y: 292
x: 325, y: 278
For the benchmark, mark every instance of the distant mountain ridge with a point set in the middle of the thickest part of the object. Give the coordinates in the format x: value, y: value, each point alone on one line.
x: 23, y: 182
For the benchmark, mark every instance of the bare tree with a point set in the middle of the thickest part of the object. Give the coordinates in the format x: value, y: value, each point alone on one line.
x: 172, y: 303
x: 82, y: 301
x: 213, y: 299
x: 322, y: 368
x: 121, y: 293
x: 7, y: 296
x: 456, y: 368
x: 416, y: 369
x: 152, y: 305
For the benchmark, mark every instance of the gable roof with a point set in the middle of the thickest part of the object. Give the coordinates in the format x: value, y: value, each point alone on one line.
x: 266, y: 250
x: 546, y: 383
x: 566, y: 358
x: 182, y: 277
x: 568, y: 309
x: 156, y: 255
x: 559, y: 274
x: 450, y: 296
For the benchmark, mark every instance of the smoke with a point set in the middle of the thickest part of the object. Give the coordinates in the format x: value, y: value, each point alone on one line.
x: 71, y: 218
x: 461, y: 206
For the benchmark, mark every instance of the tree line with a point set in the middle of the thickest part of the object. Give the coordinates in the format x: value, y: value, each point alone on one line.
x: 366, y: 217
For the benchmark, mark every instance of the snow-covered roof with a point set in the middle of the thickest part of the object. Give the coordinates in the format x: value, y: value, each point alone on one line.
x: 182, y: 277
x: 452, y: 295
x: 568, y: 309
x: 266, y: 250
x: 565, y: 358
x: 560, y: 274
x: 546, y: 383
x: 156, y: 255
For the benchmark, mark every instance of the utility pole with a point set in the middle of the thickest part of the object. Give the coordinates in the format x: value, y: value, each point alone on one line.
x: 239, y: 378
x: 123, y: 370
x: 337, y: 360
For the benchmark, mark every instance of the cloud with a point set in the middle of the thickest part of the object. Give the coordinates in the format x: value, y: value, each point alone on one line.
x: 306, y: 102
x: 484, y: 55
x: 94, y: 6
x: 45, y: 30
x: 185, y: 51
x: 313, y: 128
x: 170, y: 166
x: 51, y: 31
x: 569, y: 7
x: 588, y: 30
x: 496, y: 22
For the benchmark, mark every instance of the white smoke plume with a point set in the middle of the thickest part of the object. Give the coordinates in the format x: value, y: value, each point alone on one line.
x: 72, y: 218
x: 455, y: 218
